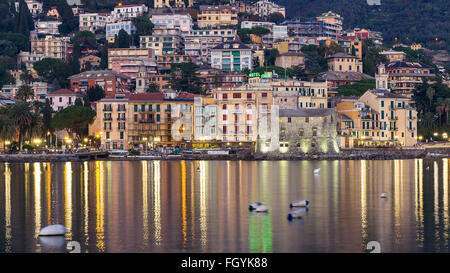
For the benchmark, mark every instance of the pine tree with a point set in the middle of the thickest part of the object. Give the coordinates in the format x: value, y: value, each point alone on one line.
x: 24, y: 21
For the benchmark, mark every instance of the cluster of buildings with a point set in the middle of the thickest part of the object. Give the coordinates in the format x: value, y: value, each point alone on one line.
x: 268, y: 112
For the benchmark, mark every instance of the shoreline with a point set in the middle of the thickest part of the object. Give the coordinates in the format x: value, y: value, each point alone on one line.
x: 354, y: 154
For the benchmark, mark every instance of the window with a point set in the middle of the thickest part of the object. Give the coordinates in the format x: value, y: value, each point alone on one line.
x: 307, y: 119
x: 314, y: 131
x: 301, y: 132
x: 224, y: 107
x: 289, y: 120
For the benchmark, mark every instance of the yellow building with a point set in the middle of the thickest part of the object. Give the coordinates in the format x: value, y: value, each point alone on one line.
x: 281, y: 46
x: 154, y: 120
x: 397, y: 113
x: 216, y: 16
x: 110, y: 124
x: 342, y: 62
x: 378, y: 118
x: 143, y: 120
x: 393, y: 55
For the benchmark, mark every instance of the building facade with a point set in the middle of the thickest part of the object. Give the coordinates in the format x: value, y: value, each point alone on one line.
x: 232, y: 56
x: 217, y: 16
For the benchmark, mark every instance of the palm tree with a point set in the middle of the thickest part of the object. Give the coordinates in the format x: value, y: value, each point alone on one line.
x: 7, y: 128
x: 22, y: 117
x: 24, y: 93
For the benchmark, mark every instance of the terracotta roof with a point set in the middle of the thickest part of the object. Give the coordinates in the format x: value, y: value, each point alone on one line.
x: 147, y: 97
x: 63, y: 92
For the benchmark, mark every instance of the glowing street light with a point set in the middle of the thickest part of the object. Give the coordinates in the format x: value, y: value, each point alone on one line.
x: 435, y: 134
x: 37, y: 141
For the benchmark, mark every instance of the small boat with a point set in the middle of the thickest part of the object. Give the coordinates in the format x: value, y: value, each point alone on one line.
x: 53, y: 230
x: 262, y: 208
x: 253, y: 206
x: 299, y: 203
x: 384, y: 195
x: 316, y: 171
x: 198, y: 169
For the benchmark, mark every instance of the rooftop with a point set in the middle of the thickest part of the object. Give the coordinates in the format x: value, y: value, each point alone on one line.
x: 340, y: 55
x: 97, y: 74
x: 306, y: 112
x: 402, y: 64
x: 231, y: 45
x: 63, y: 92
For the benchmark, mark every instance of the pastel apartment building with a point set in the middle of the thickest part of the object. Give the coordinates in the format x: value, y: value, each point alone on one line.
x: 217, y: 16
x: 124, y: 12
x: 182, y: 21
x: 50, y: 46
x: 111, y: 82
x: 232, y: 56
x: 112, y: 29
x: 342, y: 62
x: 163, y: 41
x: 47, y: 27
x: 92, y: 21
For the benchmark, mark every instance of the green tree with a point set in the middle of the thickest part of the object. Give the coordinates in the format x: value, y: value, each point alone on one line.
x: 152, y: 88
x: 50, y: 68
x: 74, y: 119
x: 5, y: 77
x: 47, y: 112
x: 22, y: 116
x: 270, y: 56
x: 7, y: 128
x: 275, y: 17
x: 24, y: 93
x: 356, y: 89
x: 122, y: 40
x: 184, y: 78
x: 24, y: 21
x: 94, y: 93
x: 143, y: 27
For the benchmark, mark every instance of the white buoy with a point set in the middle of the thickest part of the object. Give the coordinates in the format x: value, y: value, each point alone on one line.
x: 298, y: 213
x: 253, y: 206
x: 316, y: 171
x: 384, y: 195
x: 262, y: 208
x: 53, y: 230
x: 299, y: 203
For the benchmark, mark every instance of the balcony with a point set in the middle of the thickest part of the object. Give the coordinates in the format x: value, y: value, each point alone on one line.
x: 107, y: 118
x: 393, y: 117
x: 121, y: 118
x: 236, y: 111
x: 107, y: 109
x: 144, y: 120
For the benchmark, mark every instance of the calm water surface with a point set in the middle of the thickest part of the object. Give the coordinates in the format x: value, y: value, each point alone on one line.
x: 167, y: 206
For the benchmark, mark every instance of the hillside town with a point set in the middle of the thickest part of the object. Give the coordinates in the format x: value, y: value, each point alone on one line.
x: 184, y: 75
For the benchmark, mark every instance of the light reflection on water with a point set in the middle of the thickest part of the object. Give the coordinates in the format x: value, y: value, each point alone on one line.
x: 202, y: 206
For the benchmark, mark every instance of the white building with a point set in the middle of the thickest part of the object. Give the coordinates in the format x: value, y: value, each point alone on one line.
x: 231, y: 56
x: 121, y: 11
x: 92, y: 21
x: 47, y: 27
x: 181, y: 21
x: 157, y: 4
x: 113, y: 29
x: 50, y: 46
x: 200, y: 42
x: 265, y: 8
x: 252, y: 24
x: 62, y: 98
